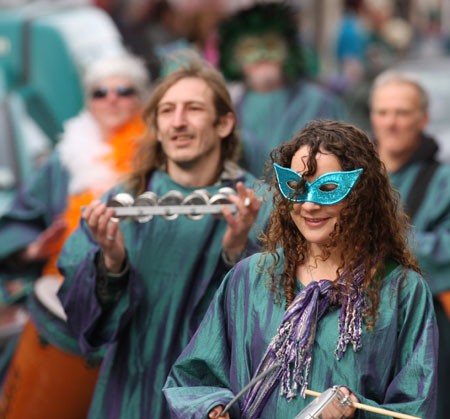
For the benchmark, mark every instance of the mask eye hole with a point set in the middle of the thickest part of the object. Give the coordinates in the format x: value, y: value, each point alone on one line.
x: 328, y: 187
x: 298, y: 186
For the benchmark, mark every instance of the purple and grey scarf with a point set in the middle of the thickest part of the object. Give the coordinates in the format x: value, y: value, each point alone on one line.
x: 292, y: 346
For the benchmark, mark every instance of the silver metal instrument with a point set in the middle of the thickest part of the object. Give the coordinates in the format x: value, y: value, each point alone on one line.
x: 169, y: 210
x: 172, y: 204
x: 319, y: 405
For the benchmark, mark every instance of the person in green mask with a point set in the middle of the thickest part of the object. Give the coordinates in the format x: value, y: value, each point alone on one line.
x: 261, y: 58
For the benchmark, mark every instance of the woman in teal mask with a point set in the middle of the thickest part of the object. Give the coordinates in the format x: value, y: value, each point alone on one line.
x: 336, y: 298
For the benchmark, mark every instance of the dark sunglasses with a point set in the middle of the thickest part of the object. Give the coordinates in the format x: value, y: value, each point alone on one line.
x: 122, y: 91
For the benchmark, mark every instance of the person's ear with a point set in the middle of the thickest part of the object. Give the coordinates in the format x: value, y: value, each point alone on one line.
x: 225, y: 125
x: 425, y: 120
x: 157, y: 132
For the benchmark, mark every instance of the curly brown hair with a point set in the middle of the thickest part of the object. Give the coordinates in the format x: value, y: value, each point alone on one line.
x: 150, y: 155
x: 371, y: 227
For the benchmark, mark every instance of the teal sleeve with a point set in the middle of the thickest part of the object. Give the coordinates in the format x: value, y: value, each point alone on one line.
x: 431, y: 232
x: 200, y: 380
x: 38, y: 202
x: 412, y: 388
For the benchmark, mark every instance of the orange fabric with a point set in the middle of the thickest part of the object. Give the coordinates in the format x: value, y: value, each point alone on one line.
x: 71, y: 216
x: 46, y: 382
x: 123, y: 145
x: 444, y: 299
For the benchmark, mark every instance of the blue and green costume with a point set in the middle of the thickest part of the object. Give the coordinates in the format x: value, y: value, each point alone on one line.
x: 431, y: 241
x: 175, y: 267
x: 395, y: 369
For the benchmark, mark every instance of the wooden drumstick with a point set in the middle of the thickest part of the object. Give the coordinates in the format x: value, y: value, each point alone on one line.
x: 362, y: 406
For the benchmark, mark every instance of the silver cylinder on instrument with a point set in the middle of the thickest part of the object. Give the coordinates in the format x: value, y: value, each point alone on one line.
x: 147, y: 199
x: 323, y: 404
x: 221, y: 197
x: 171, y: 198
x: 227, y: 190
x: 120, y: 200
x: 198, y: 197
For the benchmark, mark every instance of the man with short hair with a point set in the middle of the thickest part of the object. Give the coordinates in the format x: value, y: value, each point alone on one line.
x: 141, y: 289
x: 399, y: 115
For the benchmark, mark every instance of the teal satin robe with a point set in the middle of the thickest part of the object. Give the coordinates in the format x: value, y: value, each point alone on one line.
x: 431, y: 236
x: 173, y: 278
x: 42, y: 198
x: 396, y: 368
x: 267, y: 119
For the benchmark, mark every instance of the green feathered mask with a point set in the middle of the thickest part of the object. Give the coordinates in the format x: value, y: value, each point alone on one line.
x: 260, y: 19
